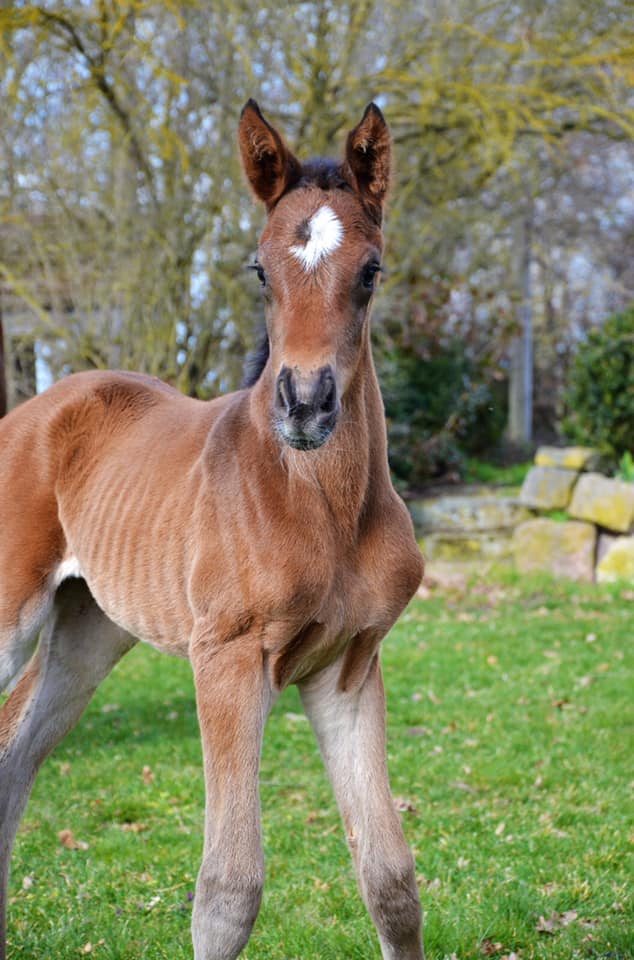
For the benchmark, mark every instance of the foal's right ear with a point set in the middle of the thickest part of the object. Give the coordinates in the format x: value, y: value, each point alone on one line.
x: 268, y: 163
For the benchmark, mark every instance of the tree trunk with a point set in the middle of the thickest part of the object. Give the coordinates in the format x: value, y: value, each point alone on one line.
x: 23, y: 376
x: 520, y: 423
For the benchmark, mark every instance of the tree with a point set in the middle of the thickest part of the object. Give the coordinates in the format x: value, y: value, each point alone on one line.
x: 125, y: 223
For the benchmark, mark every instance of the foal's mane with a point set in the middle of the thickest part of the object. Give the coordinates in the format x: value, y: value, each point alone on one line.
x: 325, y: 174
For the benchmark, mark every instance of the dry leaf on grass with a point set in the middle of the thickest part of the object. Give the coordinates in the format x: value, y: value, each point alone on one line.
x: 68, y: 840
x: 404, y: 806
x: 555, y: 921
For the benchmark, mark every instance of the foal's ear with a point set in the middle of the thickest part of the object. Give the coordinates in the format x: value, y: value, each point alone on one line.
x: 368, y: 156
x: 268, y: 163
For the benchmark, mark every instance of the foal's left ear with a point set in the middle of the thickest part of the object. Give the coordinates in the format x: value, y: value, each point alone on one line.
x: 268, y: 163
x: 368, y: 156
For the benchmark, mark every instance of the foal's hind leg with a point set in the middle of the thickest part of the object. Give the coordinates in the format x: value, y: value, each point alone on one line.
x: 79, y: 647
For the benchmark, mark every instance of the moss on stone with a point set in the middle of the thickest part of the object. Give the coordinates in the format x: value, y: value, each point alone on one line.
x: 608, y: 503
x: 571, y: 458
x: 617, y: 562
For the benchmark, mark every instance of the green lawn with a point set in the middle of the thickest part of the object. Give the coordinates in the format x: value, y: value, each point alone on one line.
x: 511, y: 746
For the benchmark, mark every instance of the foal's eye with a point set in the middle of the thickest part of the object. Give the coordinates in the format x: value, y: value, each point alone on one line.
x: 259, y: 269
x: 368, y: 274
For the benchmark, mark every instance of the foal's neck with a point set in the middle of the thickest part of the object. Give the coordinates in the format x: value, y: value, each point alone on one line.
x: 351, y: 470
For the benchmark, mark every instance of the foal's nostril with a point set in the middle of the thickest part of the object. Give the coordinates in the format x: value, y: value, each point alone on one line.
x: 326, y: 398
x: 285, y: 397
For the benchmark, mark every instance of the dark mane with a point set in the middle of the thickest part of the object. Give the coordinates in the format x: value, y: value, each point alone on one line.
x: 324, y: 173
x: 256, y: 360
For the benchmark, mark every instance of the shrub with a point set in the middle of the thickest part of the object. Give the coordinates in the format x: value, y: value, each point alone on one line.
x: 438, y: 408
x: 600, y: 393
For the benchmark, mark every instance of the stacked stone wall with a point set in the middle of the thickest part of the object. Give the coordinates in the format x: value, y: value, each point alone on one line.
x: 569, y: 520
x: 585, y: 530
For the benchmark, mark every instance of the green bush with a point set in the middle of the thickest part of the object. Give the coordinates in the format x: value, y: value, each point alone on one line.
x: 600, y: 394
x: 439, y: 407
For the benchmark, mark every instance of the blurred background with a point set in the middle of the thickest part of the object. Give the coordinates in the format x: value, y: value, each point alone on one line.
x: 505, y: 317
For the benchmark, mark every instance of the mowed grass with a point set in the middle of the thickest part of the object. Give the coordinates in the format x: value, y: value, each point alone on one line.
x: 510, y: 753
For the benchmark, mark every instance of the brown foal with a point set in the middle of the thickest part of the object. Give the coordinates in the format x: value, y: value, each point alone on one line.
x: 258, y: 535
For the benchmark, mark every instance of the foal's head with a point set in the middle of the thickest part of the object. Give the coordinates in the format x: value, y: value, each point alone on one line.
x: 318, y: 263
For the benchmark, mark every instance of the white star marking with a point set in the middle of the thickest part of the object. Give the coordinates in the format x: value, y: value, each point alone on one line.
x: 326, y: 233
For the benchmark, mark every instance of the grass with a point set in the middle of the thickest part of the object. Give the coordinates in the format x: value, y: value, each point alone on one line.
x: 481, y: 471
x: 510, y: 746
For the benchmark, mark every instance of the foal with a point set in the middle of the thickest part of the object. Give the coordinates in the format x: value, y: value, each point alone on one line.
x: 258, y: 535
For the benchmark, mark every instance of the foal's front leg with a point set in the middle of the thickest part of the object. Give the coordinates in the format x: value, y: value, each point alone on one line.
x: 350, y: 728
x: 233, y: 696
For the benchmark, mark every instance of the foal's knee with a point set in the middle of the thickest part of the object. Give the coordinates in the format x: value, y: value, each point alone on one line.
x: 224, y: 914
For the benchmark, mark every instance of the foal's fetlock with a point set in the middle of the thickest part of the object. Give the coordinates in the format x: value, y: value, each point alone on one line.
x: 394, y: 904
x: 224, y: 914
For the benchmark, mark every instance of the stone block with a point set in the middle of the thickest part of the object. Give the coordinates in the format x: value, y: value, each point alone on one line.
x: 467, y: 514
x: 476, y: 547
x: 617, y: 562
x: 548, y: 488
x: 562, y: 549
x: 604, y: 543
x: 570, y: 458
x: 607, y: 502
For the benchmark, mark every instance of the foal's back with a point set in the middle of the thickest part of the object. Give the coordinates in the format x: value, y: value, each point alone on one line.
x: 94, y: 474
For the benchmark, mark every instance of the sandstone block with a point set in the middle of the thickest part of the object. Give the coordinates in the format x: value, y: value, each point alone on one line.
x: 607, y: 502
x: 563, y: 549
x: 571, y: 458
x: 604, y: 543
x: 617, y: 562
x: 547, y: 488
x: 467, y: 514
x: 476, y: 547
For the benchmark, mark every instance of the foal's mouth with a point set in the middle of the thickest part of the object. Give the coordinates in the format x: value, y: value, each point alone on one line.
x: 305, y: 436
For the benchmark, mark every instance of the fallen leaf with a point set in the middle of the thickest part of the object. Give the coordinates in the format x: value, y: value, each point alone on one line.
x: 424, y: 881
x: 148, y: 776
x: 461, y: 785
x: 404, y: 806
x: 418, y: 732
x: 88, y: 947
x: 555, y: 921
x: 434, y: 699
x: 67, y: 839
x: 489, y: 948
x: 27, y: 883
x: 133, y: 827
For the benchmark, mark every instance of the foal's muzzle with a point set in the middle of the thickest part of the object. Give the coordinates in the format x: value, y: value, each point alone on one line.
x: 306, y: 407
